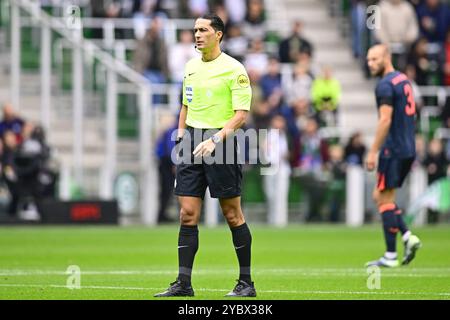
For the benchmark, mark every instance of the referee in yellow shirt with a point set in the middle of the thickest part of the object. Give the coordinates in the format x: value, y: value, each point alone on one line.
x: 216, y: 95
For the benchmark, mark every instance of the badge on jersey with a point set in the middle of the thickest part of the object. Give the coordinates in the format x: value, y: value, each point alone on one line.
x: 189, y: 92
x: 243, y: 81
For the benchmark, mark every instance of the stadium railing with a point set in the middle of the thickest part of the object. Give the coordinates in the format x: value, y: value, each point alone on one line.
x: 118, y: 77
x: 435, y: 98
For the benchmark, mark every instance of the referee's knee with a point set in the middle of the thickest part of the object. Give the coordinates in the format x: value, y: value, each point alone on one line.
x: 187, y: 217
x: 233, y: 215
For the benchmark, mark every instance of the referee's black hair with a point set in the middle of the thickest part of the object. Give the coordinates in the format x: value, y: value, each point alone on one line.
x: 216, y: 23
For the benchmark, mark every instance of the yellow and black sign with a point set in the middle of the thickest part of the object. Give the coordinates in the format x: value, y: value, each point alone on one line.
x: 243, y: 81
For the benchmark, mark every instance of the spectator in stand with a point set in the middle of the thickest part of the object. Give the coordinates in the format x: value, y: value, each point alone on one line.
x: 223, y: 14
x: 415, y: 3
x: 445, y: 114
x: 399, y: 27
x: 48, y: 174
x: 30, y: 165
x: 418, y: 57
x: 261, y: 115
x: 237, y: 10
x: 166, y: 170
x: 181, y: 10
x: 114, y: 9
x: 5, y: 196
x: 129, y: 7
x: 447, y: 155
x: 336, y: 187
x: 326, y: 95
x: 436, y: 165
x: 277, y: 153
x: 410, y: 72
x: 259, y: 109
x: 254, y: 26
x: 11, y: 122
x: 434, y: 20
x: 145, y: 9
x: 235, y: 43
x: 104, y: 9
x: 256, y: 59
x: 301, y: 113
x: 9, y: 175
x: 257, y: 94
x: 446, y: 59
x: 271, y: 80
x: 313, y: 153
x: 298, y: 96
x: 435, y: 161
x: 358, y: 20
x: 301, y: 84
x: 399, y: 23
x: 180, y: 54
x: 151, y: 56
x: 291, y: 47
x: 355, y: 150
x: 198, y: 8
x: 421, y: 150
x: 310, y: 159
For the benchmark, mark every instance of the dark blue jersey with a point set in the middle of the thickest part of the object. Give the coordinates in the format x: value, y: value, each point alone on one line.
x: 395, y: 91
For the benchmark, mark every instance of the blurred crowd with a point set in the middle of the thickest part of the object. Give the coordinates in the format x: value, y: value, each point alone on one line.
x: 418, y: 32
x: 300, y: 107
x: 25, y: 176
x: 309, y: 98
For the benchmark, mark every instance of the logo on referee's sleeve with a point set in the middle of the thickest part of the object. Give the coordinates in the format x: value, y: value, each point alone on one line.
x: 243, y: 81
x: 189, y: 92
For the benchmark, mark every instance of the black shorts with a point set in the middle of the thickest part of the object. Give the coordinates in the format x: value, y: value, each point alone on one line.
x: 392, y: 172
x: 223, y: 179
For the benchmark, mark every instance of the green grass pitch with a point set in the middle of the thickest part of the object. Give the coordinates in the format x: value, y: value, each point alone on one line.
x: 298, y: 262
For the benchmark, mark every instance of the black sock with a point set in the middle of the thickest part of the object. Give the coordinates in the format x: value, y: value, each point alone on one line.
x: 400, y: 222
x: 242, y: 240
x: 187, y: 248
x: 390, y: 228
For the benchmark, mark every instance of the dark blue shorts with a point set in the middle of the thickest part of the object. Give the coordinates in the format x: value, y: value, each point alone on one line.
x: 392, y: 172
x: 224, y: 180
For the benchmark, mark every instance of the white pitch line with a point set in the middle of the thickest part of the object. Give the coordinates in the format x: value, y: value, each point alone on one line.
x: 318, y: 292
x: 405, y: 273
x: 82, y: 287
x: 435, y: 269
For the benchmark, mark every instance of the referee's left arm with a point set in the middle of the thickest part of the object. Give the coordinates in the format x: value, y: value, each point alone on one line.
x: 207, y: 147
x: 238, y: 120
x: 241, y: 96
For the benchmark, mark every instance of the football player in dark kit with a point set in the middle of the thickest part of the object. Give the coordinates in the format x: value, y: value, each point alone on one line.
x: 395, y: 144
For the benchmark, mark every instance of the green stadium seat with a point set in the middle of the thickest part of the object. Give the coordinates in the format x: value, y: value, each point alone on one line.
x: 30, y: 54
x: 128, y: 116
x: 66, y: 70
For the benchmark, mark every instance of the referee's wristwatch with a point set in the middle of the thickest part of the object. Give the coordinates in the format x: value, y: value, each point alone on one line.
x: 216, y: 139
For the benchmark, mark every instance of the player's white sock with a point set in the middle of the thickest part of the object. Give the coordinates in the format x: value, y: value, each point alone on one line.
x: 405, y: 237
x: 390, y: 255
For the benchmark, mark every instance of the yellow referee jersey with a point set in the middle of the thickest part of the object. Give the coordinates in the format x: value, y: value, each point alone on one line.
x: 213, y: 90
